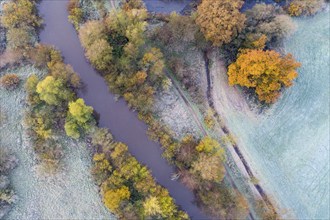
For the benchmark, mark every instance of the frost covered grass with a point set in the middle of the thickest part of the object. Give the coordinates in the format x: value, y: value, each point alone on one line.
x: 69, y: 194
x: 172, y: 111
x: 289, y: 144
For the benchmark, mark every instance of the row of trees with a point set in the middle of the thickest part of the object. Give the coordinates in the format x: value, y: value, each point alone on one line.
x: 127, y: 187
x: 116, y: 47
x: 53, y: 106
x: 135, y: 70
x: 264, y: 25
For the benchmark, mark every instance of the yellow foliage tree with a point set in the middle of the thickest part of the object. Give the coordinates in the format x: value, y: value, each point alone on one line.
x: 304, y: 7
x: 151, y: 206
x: 19, y: 13
x: 209, y: 167
x: 211, y: 146
x: 114, y: 197
x: 220, y: 20
x: 266, y: 71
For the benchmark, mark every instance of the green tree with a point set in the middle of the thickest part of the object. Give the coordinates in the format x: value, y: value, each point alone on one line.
x: 79, y: 118
x: 53, y: 91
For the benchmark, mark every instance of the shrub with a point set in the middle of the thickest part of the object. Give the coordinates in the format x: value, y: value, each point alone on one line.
x: 9, y: 81
x: 79, y: 119
x: 18, y: 38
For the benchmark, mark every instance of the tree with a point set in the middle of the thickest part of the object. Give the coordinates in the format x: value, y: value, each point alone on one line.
x: 114, y: 197
x: 9, y: 81
x: 265, y: 71
x: 153, y: 63
x: 31, y: 88
x: 209, y: 167
x: 151, y: 206
x: 20, y: 13
x: 102, y: 137
x: 79, y: 118
x: 100, y: 54
x: 266, y: 19
x: 224, y: 202
x: 18, y: 38
x: 211, y: 146
x: 75, y: 13
x: 220, y: 20
x: 90, y: 32
x: 304, y: 7
x: 180, y: 31
x: 53, y: 91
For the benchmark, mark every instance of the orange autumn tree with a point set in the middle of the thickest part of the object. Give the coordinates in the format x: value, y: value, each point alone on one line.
x: 220, y: 20
x: 266, y: 71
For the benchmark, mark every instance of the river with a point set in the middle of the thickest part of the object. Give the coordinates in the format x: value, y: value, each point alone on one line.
x: 288, y: 145
x: 115, y: 115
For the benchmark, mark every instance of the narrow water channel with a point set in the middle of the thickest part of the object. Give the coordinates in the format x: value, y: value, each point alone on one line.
x: 115, y: 115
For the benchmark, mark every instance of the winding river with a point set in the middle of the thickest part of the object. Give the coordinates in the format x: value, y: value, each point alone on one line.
x: 115, y: 115
x: 288, y: 145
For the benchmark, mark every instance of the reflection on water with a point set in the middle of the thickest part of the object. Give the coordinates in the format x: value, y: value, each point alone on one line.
x: 289, y: 144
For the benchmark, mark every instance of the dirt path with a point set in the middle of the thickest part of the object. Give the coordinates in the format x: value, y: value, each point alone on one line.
x: 218, y: 74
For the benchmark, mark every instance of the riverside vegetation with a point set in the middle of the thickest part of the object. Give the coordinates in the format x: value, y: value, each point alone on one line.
x: 133, y: 56
x: 133, y: 64
x: 134, y: 67
x: 128, y: 188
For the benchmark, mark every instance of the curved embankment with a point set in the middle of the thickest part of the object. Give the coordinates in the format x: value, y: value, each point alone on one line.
x: 115, y: 115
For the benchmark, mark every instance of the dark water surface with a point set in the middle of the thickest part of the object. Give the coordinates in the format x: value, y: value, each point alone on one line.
x: 166, y: 6
x: 115, y: 115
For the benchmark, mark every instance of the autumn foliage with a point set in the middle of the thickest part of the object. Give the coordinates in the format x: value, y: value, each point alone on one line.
x: 304, y: 7
x: 266, y: 71
x: 9, y: 81
x: 220, y: 20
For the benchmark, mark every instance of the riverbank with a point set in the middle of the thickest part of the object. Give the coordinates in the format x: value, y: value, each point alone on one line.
x: 42, y: 196
x: 115, y: 115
